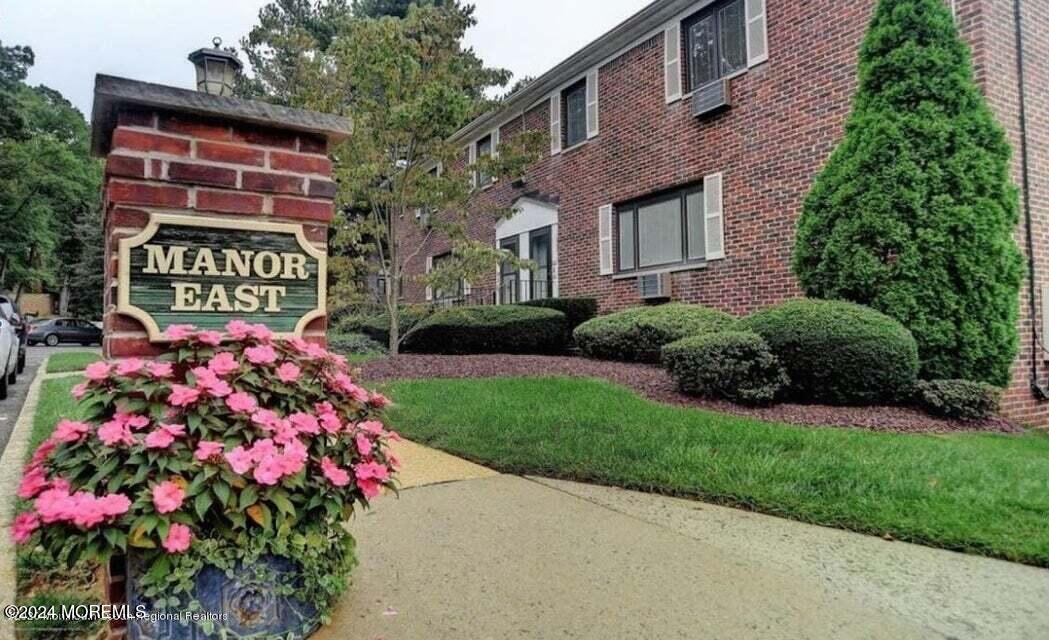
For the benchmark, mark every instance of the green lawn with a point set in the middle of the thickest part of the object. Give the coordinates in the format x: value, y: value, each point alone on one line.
x: 56, y: 403
x: 64, y: 361
x: 985, y: 494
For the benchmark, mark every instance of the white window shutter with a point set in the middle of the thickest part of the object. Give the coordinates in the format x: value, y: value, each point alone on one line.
x: 757, y: 33
x: 672, y: 62
x: 466, y: 287
x: 714, y: 216
x: 471, y: 152
x: 604, y: 227
x: 495, y: 142
x: 429, y: 268
x: 555, y: 124
x: 592, y: 111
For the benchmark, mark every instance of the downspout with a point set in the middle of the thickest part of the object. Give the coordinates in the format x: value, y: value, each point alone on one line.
x: 1039, y: 390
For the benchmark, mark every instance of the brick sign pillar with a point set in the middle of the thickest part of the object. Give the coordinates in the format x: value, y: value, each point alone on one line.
x: 187, y: 171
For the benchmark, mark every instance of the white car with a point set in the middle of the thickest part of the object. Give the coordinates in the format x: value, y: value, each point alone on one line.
x: 8, y: 354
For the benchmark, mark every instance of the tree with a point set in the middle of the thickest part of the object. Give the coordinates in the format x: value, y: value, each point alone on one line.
x: 392, y: 8
x: 915, y: 211
x: 409, y: 85
x: 14, y: 66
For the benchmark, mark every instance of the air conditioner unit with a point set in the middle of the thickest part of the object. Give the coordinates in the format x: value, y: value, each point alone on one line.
x: 711, y: 98
x: 654, y: 286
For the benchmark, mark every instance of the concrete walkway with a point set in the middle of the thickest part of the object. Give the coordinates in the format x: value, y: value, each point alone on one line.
x: 498, y: 556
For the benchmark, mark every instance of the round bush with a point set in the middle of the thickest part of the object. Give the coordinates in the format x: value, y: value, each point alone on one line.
x: 353, y: 343
x: 377, y: 325
x: 962, y: 399
x: 639, y: 334
x: 498, y: 329
x: 576, y: 310
x: 735, y: 365
x: 839, y: 352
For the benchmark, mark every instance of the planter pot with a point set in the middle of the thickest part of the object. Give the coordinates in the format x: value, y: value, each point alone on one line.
x: 251, y: 605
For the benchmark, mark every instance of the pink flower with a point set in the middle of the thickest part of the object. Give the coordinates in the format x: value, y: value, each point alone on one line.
x: 314, y: 350
x: 393, y: 460
x: 86, y: 510
x: 116, y: 432
x: 330, y: 423
x: 371, y: 470
x: 133, y: 420
x: 262, y: 449
x: 378, y: 400
x: 285, y: 432
x: 53, y: 505
x: 238, y: 329
x: 220, y: 389
x: 298, y: 344
x: 269, y: 470
x: 294, y: 458
x: 114, y: 505
x: 223, y: 364
x: 33, y: 482
x: 210, y: 338
x: 305, y: 423
x: 266, y: 419
x: 178, y: 538
x: 69, y: 431
x: 23, y: 526
x: 159, y: 439
x: 242, y: 402
x: 61, y: 484
x: 370, y: 488
x: 168, y: 496
x: 288, y: 372
x: 264, y: 354
x: 43, y: 452
x: 177, y: 332
x: 364, y: 445
x: 373, y: 427
x: 79, y: 390
x: 160, y: 369
x: 97, y: 371
x: 261, y: 332
x: 129, y: 366
x: 207, y: 449
x: 239, y: 460
x: 182, y: 396
x: 335, y: 475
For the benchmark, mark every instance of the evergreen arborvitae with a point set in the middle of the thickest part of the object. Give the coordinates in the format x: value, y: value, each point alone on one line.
x: 915, y: 211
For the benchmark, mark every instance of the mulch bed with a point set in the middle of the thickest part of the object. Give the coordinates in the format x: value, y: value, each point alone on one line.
x: 654, y: 383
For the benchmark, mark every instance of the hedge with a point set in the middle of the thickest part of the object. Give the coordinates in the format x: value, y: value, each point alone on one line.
x: 489, y: 329
x: 377, y: 325
x: 839, y: 352
x: 639, y: 334
x: 735, y: 365
x: 353, y: 343
x: 962, y: 399
x: 576, y: 310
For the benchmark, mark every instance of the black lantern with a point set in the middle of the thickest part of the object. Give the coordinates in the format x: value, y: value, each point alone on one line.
x: 216, y: 69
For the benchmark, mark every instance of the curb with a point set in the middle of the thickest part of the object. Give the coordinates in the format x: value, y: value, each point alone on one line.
x: 10, y: 477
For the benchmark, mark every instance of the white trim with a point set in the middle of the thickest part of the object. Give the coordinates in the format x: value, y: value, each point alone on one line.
x: 495, y: 142
x: 604, y: 239
x: 592, y: 103
x: 429, y: 268
x: 714, y: 215
x: 755, y: 11
x: 555, y: 123
x: 672, y: 76
x: 471, y: 160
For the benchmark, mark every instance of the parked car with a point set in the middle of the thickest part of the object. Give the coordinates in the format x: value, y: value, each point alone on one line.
x: 9, y: 307
x: 58, y: 330
x: 8, y: 354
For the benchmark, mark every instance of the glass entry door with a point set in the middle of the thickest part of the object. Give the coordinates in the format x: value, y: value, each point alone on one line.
x: 540, y: 251
x: 509, y: 275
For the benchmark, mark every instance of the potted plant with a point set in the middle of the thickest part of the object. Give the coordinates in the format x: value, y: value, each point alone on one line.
x: 223, y: 472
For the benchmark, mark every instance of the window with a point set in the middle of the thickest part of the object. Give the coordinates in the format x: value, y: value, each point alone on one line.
x: 509, y: 275
x: 484, y: 149
x: 660, y: 231
x: 574, y: 100
x: 540, y: 251
x: 716, y: 43
x: 460, y: 287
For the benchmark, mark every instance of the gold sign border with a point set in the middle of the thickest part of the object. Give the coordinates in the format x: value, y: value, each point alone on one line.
x: 125, y: 307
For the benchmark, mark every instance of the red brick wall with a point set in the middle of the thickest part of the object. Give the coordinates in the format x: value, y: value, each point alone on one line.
x: 180, y: 164
x: 787, y: 116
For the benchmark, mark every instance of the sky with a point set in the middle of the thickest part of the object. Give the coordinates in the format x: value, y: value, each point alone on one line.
x: 150, y: 39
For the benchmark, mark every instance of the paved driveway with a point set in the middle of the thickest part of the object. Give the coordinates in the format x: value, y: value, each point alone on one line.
x: 16, y: 395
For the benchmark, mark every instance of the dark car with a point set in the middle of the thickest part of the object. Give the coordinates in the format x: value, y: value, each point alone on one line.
x: 9, y: 308
x: 57, y: 330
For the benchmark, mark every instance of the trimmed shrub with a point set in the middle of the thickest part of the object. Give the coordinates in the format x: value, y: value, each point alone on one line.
x: 915, y: 212
x: 839, y: 352
x: 489, y: 329
x: 576, y: 310
x: 639, y: 334
x: 962, y: 399
x: 377, y: 325
x: 735, y: 365
x: 353, y: 343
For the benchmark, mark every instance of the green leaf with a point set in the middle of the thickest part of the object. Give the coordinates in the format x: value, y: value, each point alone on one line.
x: 221, y: 491
x: 248, y: 497
x: 284, y: 505
x: 202, y: 503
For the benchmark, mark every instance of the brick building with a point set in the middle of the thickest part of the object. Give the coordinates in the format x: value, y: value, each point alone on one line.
x: 636, y: 184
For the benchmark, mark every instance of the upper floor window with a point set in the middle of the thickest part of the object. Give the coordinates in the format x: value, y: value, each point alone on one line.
x: 574, y: 100
x: 484, y: 149
x: 716, y: 43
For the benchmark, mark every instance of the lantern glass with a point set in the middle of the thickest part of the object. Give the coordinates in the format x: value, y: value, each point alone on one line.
x: 216, y: 70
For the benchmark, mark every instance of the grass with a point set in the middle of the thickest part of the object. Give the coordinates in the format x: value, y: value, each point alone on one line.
x: 979, y: 493
x: 64, y: 361
x: 56, y: 402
